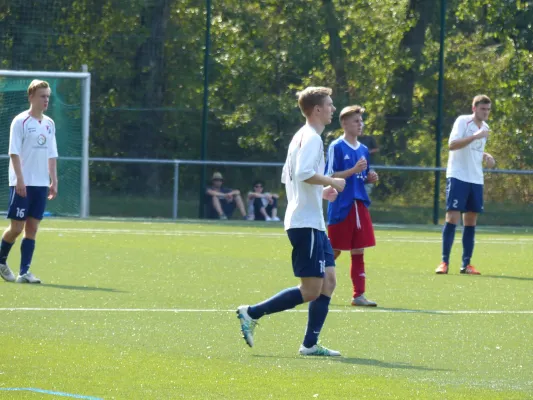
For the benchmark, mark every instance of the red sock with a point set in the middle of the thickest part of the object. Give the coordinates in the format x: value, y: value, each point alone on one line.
x: 357, y: 272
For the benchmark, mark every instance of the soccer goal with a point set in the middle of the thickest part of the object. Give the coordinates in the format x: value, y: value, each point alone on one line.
x: 69, y: 108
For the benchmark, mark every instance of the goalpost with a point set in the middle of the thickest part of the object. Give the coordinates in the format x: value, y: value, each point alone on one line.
x: 69, y: 108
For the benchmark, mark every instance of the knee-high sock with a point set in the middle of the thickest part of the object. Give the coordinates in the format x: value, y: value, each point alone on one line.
x: 448, y: 234
x: 284, y: 300
x: 318, y: 311
x: 26, y: 254
x: 5, y: 248
x: 469, y: 233
x: 357, y: 273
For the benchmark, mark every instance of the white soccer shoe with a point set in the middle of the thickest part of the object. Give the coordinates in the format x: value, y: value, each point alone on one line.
x: 247, y: 325
x: 28, y: 277
x: 6, y: 273
x: 318, y: 350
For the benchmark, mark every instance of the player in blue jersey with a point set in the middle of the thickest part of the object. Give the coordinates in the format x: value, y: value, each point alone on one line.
x: 32, y: 179
x: 464, y: 176
x: 312, y: 255
x: 349, y: 224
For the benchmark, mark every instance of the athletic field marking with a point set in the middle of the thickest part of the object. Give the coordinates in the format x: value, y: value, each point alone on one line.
x: 210, y: 310
x: 398, y: 239
x: 61, y: 394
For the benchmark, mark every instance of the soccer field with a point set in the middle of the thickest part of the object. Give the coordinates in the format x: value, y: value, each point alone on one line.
x: 133, y: 310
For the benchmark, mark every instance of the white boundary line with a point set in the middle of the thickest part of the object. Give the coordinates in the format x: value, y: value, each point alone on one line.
x: 208, y: 310
x: 398, y: 239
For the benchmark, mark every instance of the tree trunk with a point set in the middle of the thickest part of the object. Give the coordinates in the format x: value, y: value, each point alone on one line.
x: 396, y: 135
x: 148, y: 89
x: 336, y: 53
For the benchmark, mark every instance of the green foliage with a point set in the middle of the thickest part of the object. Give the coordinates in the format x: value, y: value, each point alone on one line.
x: 262, y: 53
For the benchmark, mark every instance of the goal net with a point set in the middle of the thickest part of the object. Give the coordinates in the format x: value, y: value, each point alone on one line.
x: 66, y: 108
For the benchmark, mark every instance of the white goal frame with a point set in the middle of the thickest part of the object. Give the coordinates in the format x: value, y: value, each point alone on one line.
x: 85, y: 78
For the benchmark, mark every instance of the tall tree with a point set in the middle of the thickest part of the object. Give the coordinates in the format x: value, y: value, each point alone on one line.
x: 400, y: 108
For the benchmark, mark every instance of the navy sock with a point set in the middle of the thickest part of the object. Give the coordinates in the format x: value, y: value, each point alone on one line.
x: 26, y: 254
x: 448, y: 234
x: 469, y: 233
x: 284, y: 300
x: 5, y: 248
x: 318, y: 310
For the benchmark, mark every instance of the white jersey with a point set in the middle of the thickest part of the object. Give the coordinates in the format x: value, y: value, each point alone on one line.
x: 305, y: 158
x: 466, y: 164
x: 34, y: 142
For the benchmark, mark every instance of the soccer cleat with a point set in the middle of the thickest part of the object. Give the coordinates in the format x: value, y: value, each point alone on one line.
x: 318, y: 350
x: 470, y: 270
x: 223, y: 217
x: 247, y: 325
x: 442, y: 268
x: 28, y: 277
x: 275, y: 219
x: 363, y: 302
x: 6, y: 274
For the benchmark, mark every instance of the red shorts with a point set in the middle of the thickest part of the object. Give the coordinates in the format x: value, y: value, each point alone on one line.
x: 355, y: 232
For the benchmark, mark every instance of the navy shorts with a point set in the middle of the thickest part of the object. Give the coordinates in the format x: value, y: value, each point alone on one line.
x: 33, y: 205
x: 463, y: 196
x: 311, y: 252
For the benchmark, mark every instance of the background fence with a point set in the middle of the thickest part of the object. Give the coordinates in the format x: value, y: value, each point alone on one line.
x: 178, y: 196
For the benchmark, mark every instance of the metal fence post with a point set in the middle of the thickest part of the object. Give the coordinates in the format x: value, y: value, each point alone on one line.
x: 176, y: 188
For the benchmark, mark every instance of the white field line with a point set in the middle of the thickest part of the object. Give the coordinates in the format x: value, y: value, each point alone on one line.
x: 399, y: 239
x: 208, y: 310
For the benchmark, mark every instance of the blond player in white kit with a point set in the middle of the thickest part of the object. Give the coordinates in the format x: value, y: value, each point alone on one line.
x: 464, y: 188
x: 32, y: 179
x: 312, y: 255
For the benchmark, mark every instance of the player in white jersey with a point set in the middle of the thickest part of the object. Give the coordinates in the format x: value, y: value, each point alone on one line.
x: 32, y: 179
x: 312, y: 255
x: 464, y: 175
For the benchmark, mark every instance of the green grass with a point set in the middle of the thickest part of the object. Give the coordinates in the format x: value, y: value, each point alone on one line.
x: 403, y: 349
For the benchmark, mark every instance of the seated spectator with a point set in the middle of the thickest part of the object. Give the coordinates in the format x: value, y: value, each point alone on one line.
x: 221, y: 201
x: 262, y: 206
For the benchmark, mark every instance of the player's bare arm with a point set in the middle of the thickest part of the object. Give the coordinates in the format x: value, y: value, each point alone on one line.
x: 360, y: 166
x: 330, y: 194
x: 372, y: 177
x: 463, y: 142
x: 318, y: 179
x: 20, y: 189
x: 489, y: 160
x: 52, y: 168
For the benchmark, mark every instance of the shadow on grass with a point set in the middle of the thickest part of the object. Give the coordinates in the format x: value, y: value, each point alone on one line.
x: 384, y: 364
x: 85, y: 288
x: 363, y: 361
x: 518, y: 278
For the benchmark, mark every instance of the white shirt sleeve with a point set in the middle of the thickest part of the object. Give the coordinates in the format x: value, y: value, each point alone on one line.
x: 284, y: 174
x: 308, y: 158
x: 16, y: 136
x: 52, y: 149
x: 458, y: 130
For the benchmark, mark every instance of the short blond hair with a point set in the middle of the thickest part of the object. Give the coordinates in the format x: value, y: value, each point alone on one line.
x: 312, y: 96
x: 37, y: 84
x: 480, y: 99
x: 350, y: 110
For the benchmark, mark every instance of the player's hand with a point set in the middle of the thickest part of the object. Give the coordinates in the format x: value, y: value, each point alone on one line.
x: 372, y: 176
x: 20, y: 189
x: 360, y: 166
x: 482, y: 133
x: 52, y: 191
x: 338, y: 184
x: 228, y: 196
x: 489, y: 160
x: 330, y: 194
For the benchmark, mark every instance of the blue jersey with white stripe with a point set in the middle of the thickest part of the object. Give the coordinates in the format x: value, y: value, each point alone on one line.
x: 342, y: 156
